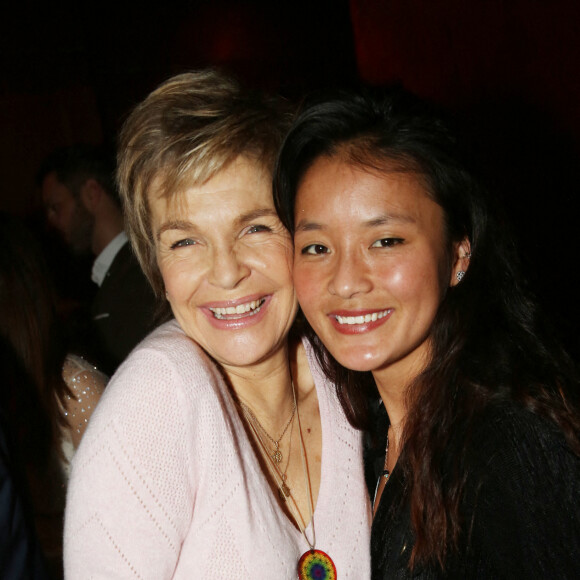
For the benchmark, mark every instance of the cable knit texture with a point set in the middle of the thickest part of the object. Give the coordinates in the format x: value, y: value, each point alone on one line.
x: 166, y: 483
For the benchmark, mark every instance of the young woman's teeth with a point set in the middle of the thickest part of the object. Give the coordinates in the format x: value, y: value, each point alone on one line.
x: 233, y: 312
x: 362, y: 319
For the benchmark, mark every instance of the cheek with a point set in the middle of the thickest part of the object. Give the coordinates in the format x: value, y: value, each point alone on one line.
x: 177, y: 279
x: 65, y: 215
x: 308, y: 289
x: 280, y: 266
x: 397, y: 277
x: 410, y: 282
x: 420, y: 285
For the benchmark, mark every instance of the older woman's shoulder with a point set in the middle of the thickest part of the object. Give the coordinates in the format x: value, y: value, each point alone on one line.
x: 165, y: 338
x: 165, y: 360
x: 168, y: 344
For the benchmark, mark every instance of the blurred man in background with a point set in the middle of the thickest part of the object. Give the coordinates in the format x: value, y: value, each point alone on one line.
x: 79, y: 194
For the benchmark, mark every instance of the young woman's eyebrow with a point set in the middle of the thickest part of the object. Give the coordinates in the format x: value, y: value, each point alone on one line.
x: 304, y: 225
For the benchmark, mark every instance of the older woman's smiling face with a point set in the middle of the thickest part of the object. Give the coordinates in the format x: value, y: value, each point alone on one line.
x: 225, y: 259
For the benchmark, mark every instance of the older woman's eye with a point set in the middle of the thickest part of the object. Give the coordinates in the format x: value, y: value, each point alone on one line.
x: 183, y: 243
x: 315, y: 249
x: 258, y: 228
x: 387, y: 242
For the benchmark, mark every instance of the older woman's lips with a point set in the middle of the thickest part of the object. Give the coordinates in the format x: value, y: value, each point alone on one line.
x: 237, y: 314
x: 240, y: 311
x: 359, y: 321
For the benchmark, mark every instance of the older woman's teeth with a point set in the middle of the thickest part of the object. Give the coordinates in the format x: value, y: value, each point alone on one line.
x: 233, y: 312
x: 362, y: 319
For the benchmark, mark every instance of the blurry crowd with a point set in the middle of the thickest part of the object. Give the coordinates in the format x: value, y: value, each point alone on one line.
x: 57, y: 356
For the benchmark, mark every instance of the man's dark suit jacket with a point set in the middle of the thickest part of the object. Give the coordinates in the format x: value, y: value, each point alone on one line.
x: 122, y: 312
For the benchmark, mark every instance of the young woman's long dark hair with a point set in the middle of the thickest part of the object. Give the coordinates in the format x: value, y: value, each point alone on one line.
x: 489, y: 343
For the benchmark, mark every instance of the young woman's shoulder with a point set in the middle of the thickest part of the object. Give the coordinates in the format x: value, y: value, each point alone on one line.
x: 522, y: 494
x: 508, y: 433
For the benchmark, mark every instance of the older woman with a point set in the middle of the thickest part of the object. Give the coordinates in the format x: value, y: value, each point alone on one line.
x: 401, y: 272
x: 219, y: 449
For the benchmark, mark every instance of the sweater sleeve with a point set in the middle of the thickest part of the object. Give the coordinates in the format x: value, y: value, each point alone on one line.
x: 527, y: 514
x: 130, y: 496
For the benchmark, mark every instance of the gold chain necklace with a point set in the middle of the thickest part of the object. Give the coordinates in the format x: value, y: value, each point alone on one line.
x: 283, y: 489
x: 313, y: 564
x: 276, y: 454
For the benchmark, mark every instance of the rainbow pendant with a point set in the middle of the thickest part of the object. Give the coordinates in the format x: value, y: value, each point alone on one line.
x: 316, y: 565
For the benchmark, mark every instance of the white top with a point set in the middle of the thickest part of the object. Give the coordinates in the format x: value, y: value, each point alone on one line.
x: 166, y: 483
x: 86, y: 383
x: 104, y: 260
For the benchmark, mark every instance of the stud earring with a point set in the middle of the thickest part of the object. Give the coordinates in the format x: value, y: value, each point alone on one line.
x: 167, y: 295
x: 460, y: 275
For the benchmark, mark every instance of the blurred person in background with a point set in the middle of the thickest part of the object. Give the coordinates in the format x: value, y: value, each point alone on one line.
x: 81, y: 201
x: 49, y: 409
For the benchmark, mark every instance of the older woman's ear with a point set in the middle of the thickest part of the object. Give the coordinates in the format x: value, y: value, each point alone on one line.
x: 461, y: 257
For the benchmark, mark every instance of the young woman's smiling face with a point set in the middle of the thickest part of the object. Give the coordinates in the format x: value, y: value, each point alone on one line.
x: 370, y: 265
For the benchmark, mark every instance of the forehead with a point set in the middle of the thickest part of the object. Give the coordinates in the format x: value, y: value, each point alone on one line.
x: 242, y: 185
x: 333, y: 186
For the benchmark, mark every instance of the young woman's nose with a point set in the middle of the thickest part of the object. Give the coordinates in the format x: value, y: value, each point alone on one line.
x: 350, y: 275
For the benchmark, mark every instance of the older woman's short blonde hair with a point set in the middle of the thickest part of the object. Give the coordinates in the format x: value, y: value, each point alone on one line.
x: 186, y: 131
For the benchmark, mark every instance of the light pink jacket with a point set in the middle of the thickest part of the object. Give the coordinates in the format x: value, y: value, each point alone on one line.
x: 166, y: 484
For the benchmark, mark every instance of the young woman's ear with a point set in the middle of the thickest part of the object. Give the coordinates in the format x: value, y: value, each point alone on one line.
x: 461, y: 257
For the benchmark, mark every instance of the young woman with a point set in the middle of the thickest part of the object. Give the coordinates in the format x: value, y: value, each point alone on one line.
x: 401, y: 271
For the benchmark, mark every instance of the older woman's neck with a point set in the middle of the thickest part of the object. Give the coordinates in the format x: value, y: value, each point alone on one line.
x: 265, y: 387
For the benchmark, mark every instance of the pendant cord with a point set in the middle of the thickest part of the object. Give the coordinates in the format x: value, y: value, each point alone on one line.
x: 385, y: 473
x: 307, y: 480
x: 275, y: 471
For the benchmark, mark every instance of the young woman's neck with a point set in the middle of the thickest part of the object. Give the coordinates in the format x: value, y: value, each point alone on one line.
x: 393, y: 382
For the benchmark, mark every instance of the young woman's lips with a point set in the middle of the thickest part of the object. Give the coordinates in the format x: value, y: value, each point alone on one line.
x: 358, y: 321
x: 236, y: 314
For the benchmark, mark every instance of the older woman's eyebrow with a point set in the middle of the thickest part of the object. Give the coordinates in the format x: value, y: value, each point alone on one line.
x: 173, y: 225
x: 305, y: 225
x: 241, y: 220
x: 255, y: 214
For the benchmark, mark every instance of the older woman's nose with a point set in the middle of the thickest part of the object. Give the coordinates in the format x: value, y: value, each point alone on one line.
x: 227, y: 268
x: 349, y: 276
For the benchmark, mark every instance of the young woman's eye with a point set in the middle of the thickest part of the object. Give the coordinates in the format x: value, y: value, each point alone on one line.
x: 183, y: 243
x: 258, y: 228
x: 315, y: 249
x: 387, y: 242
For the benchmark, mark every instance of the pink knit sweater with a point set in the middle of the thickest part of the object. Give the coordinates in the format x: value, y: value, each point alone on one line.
x: 166, y: 484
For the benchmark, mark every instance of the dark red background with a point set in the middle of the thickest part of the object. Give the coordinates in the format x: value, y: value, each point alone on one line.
x: 70, y: 71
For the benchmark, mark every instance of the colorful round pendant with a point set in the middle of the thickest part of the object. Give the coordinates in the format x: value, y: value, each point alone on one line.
x: 316, y: 565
